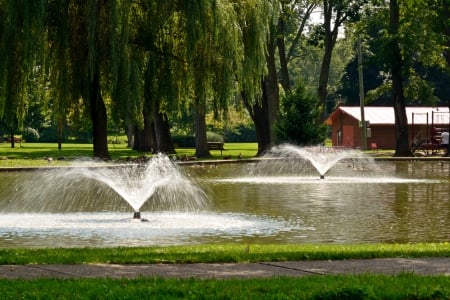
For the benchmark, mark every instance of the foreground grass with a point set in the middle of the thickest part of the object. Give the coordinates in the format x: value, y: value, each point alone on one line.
x: 405, y: 286
x: 220, y: 253
x: 367, y: 286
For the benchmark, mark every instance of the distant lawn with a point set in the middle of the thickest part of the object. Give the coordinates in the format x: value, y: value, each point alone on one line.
x: 37, y: 154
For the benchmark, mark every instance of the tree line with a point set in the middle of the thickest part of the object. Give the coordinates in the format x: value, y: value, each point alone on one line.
x: 140, y: 64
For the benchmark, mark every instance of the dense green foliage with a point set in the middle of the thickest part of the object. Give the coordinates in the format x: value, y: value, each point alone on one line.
x: 297, y: 119
x: 425, y: 76
x: 73, y: 70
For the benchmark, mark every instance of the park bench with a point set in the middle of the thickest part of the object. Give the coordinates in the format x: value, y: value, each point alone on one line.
x: 216, y: 146
x: 16, y: 139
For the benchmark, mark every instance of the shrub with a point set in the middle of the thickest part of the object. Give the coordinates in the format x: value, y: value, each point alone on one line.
x: 298, y: 120
x: 183, y: 141
x: 30, y: 135
x: 242, y: 134
x: 214, y: 137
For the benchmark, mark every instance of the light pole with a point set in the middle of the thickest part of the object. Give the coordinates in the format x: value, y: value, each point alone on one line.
x: 361, y: 98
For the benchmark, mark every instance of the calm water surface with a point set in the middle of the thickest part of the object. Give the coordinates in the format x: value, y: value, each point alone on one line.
x: 392, y: 202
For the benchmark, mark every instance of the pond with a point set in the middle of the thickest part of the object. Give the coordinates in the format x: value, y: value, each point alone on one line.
x: 247, y: 202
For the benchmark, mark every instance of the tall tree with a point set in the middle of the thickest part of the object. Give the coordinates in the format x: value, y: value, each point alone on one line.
x: 258, y: 74
x: 87, y: 34
x: 402, y: 147
x: 335, y: 14
x: 157, y: 36
x: 292, y: 23
x: 216, y: 55
x: 409, y: 45
x: 21, y: 43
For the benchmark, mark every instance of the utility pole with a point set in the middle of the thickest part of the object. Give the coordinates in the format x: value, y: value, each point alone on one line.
x: 363, y: 124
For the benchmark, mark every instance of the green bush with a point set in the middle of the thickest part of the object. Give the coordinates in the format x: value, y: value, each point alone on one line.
x: 50, y: 135
x: 30, y: 135
x: 214, y: 137
x: 298, y: 120
x: 241, y: 134
x: 183, y: 141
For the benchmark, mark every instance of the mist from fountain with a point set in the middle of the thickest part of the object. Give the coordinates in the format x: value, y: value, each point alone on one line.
x: 313, y: 160
x: 85, y: 205
x: 322, y: 158
x: 290, y: 164
x: 156, y: 185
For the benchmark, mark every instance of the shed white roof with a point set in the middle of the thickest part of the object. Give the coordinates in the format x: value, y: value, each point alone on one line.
x: 385, y: 115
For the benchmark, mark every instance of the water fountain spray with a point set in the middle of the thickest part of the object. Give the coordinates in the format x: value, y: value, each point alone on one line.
x: 158, y: 184
x: 321, y: 158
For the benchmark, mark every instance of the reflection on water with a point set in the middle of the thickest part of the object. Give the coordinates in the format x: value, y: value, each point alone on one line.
x: 118, y: 229
x: 408, y: 202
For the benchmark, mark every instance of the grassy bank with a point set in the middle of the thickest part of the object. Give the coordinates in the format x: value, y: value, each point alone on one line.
x: 406, y: 286
x: 220, y: 253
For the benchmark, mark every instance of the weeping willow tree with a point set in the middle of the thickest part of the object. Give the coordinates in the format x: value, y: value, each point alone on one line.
x: 212, y: 55
x: 157, y: 37
x: 127, y: 82
x: 257, y: 77
x: 21, y: 34
x: 83, y: 36
x: 186, y: 54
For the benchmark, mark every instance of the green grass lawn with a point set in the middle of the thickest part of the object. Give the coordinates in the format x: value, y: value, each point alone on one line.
x: 405, y: 286
x: 366, y: 286
x: 220, y: 253
x: 37, y: 154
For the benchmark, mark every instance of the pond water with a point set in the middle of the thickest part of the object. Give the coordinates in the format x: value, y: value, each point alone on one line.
x: 389, y: 201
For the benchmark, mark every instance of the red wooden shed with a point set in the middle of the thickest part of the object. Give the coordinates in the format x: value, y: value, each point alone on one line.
x: 346, y: 131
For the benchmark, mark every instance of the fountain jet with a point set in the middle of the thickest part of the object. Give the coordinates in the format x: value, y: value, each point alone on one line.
x: 159, y: 184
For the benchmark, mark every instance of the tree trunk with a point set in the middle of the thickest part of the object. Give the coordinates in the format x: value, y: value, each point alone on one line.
x: 201, y: 146
x: 144, y: 140
x: 323, y: 82
x: 60, y: 132
x: 264, y: 113
x: 130, y: 136
x: 99, y: 118
x: 284, y: 71
x: 262, y: 126
x: 270, y: 89
x: 162, y: 133
x: 12, y: 138
x: 259, y: 112
x: 402, y: 147
x: 163, y: 138
x: 330, y: 41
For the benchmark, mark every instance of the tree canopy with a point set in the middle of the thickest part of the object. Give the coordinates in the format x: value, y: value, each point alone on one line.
x: 136, y: 65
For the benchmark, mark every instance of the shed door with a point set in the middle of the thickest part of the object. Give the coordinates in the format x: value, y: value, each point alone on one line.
x: 348, y: 136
